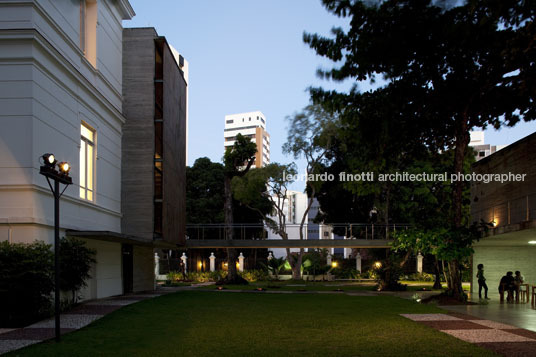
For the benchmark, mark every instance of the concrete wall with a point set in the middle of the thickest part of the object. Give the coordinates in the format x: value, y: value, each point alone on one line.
x: 138, y: 140
x: 174, y: 168
x: 498, y: 260
x: 144, y: 278
x: 510, y: 202
x: 512, y: 207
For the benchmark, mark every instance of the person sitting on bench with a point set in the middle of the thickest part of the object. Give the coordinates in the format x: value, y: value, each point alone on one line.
x: 507, y: 285
x: 518, y: 280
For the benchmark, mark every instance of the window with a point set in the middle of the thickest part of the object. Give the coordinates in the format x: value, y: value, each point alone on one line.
x: 88, y: 30
x: 482, y: 154
x: 87, y: 163
x: 229, y: 121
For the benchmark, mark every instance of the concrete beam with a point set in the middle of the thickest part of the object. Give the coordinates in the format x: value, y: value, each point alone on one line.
x: 291, y: 243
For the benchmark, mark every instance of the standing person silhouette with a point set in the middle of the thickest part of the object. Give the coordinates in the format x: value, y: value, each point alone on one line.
x: 481, y: 282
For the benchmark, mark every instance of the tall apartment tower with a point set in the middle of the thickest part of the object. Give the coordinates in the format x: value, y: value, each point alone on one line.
x: 253, y: 126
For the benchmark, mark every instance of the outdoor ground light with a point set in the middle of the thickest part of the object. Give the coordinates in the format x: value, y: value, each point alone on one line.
x: 532, y: 241
x: 59, y: 173
x: 378, y: 265
x: 334, y: 264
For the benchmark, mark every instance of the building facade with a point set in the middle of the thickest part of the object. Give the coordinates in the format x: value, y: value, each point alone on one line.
x: 511, y: 207
x: 62, y: 73
x: 253, y: 126
x: 154, y: 138
x: 294, y: 208
x: 482, y: 149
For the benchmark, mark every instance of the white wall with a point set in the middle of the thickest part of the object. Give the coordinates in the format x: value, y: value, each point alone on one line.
x: 47, y: 88
x: 106, y: 273
x: 498, y: 260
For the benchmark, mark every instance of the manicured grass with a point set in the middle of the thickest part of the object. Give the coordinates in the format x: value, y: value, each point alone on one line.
x: 201, y: 323
x: 318, y: 286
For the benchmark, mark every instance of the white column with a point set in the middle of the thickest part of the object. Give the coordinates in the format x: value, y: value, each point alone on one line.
x: 328, y: 259
x: 212, y: 262
x: 270, y: 256
x: 358, y: 261
x: 241, y: 262
x: 419, y: 262
x: 184, y: 259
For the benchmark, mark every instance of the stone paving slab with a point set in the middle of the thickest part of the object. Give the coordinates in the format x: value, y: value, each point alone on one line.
x: 487, y: 335
x: 430, y: 317
x: 112, y: 302
x: 498, y: 337
x: 94, y: 309
x: 38, y: 334
x: 10, y: 345
x: 68, y: 321
x: 523, y: 332
x: 464, y: 316
x: 494, y: 324
x: 511, y: 349
x: 78, y: 317
x: 453, y: 325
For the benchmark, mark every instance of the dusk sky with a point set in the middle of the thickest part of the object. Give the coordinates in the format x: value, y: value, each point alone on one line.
x: 247, y: 55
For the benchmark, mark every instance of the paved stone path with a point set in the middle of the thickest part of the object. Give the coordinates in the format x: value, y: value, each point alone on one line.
x: 504, y: 339
x: 80, y: 316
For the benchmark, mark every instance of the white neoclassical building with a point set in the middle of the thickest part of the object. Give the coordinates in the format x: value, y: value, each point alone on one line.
x: 61, y: 92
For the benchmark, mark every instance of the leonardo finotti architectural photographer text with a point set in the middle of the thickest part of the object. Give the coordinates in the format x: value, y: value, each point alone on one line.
x: 409, y: 177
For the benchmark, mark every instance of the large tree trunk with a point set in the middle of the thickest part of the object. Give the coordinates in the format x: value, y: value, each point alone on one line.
x: 462, y: 141
x: 437, y: 282
x: 232, y: 274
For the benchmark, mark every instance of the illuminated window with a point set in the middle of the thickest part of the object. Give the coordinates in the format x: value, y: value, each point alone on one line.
x: 88, y: 30
x: 87, y: 163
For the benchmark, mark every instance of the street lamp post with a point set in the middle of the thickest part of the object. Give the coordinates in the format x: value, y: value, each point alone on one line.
x: 59, y: 175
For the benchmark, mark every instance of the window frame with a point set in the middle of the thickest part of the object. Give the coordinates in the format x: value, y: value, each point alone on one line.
x: 84, y: 171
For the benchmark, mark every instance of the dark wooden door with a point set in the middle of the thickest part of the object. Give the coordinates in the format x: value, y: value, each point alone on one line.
x: 128, y: 268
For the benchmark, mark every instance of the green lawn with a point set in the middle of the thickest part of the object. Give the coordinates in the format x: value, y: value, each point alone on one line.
x: 201, y: 323
x: 318, y: 286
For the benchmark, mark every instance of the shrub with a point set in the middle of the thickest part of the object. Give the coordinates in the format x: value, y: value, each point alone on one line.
x: 174, y: 276
x: 387, y: 276
x: 75, y: 263
x: 198, y: 277
x: 345, y: 273
x: 254, y: 275
x: 420, y: 277
x: 26, y: 282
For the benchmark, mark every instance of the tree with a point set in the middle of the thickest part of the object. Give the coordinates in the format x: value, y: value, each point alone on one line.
x: 271, y: 183
x: 237, y: 162
x: 205, y: 192
x: 454, y: 68
x: 310, y: 136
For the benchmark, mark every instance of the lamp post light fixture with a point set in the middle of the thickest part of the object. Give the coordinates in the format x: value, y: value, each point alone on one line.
x: 59, y: 173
